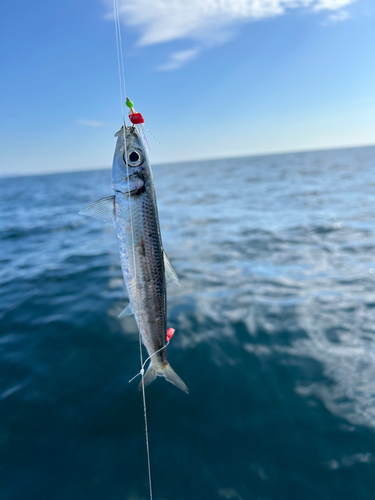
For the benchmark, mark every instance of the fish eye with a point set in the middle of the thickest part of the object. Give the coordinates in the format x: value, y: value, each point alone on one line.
x: 134, y: 158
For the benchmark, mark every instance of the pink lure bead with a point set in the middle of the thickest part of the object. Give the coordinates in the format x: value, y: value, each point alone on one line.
x: 170, y: 333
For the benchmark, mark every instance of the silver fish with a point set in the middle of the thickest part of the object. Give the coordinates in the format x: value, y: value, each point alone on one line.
x: 146, y: 268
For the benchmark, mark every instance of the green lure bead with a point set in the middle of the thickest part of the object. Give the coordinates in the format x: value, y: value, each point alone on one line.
x: 129, y: 103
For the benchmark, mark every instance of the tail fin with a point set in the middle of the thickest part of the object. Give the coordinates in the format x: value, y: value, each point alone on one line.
x: 163, y: 371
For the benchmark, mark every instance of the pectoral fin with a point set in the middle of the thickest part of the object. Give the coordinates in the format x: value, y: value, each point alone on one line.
x: 103, y: 209
x: 170, y: 273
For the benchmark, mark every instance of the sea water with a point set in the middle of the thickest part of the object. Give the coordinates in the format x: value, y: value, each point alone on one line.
x: 275, y: 336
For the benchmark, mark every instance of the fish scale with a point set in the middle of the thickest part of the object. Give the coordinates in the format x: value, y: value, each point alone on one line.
x: 148, y: 299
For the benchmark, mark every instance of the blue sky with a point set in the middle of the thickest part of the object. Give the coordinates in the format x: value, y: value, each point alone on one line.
x: 213, y: 78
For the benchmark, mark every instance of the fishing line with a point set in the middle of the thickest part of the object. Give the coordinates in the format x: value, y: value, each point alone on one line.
x: 142, y: 370
x: 120, y: 61
x: 152, y: 135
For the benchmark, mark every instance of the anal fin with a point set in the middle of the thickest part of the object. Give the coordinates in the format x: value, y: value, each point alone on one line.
x: 170, y: 273
x: 128, y: 311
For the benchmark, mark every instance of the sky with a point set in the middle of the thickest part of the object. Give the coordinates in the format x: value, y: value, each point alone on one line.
x: 212, y: 78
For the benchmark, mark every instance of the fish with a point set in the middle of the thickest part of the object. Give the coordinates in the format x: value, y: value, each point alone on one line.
x: 146, y: 268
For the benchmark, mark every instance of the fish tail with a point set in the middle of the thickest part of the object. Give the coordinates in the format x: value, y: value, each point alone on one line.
x: 173, y: 378
x: 163, y: 371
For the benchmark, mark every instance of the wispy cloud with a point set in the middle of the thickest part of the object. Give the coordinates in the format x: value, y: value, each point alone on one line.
x: 90, y: 123
x: 178, y: 59
x: 207, y: 22
x: 336, y: 17
x: 332, y: 4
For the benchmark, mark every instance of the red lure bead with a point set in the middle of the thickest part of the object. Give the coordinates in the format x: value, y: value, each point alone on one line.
x: 136, y: 118
x: 170, y: 333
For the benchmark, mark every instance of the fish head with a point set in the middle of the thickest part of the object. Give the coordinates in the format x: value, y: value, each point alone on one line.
x: 130, y: 163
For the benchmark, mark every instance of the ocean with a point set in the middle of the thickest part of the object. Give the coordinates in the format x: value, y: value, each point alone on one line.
x: 275, y: 336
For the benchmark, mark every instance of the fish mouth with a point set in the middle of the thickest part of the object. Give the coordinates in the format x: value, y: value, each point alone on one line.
x: 139, y: 191
x: 133, y: 185
x: 133, y: 192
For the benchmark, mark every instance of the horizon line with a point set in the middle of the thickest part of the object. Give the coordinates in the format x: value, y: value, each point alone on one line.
x: 252, y: 155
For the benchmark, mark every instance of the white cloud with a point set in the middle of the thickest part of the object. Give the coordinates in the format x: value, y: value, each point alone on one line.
x: 336, y: 17
x: 207, y: 21
x: 90, y: 123
x: 178, y: 59
x: 332, y: 4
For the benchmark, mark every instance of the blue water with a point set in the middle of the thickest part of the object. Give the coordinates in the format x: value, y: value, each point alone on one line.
x: 275, y: 336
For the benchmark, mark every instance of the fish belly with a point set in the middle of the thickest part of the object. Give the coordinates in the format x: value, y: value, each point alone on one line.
x: 143, y: 267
